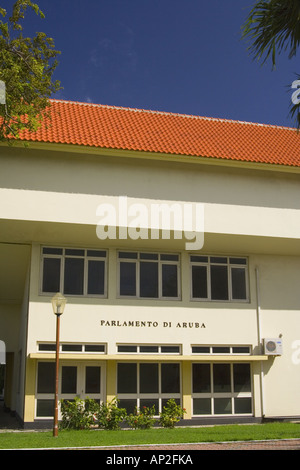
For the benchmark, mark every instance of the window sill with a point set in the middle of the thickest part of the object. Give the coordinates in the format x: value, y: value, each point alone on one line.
x: 151, y: 357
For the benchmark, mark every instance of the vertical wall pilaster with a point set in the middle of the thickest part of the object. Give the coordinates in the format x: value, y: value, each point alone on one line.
x: 187, y: 389
x: 111, y: 380
x: 30, y: 380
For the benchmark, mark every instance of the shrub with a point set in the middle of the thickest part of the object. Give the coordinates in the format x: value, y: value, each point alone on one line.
x: 171, y: 414
x: 77, y: 414
x: 141, y: 418
x: 109, y: 416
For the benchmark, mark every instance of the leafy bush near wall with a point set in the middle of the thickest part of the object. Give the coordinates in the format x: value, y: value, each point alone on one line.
x: 142, y: 418
x: 171, y: 414
x: 109, y: 415
x: 83, y: 414
x: 77, y: 413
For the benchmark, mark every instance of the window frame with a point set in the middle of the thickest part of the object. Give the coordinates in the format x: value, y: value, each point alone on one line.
x: 229, y: 265
x: 212, y: 395
x: 81, y: 392
x: 86, y: 258
x: 160, y: 396
x: 137, y: 262
x: 78, y: 348
x: 212, y: 349
x: 137, y: 349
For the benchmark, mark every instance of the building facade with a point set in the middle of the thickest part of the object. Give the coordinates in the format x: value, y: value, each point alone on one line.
x: 176, y: 241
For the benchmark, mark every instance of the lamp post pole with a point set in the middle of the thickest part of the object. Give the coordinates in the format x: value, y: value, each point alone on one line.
x: 55, y: 426
x: 58, y: 304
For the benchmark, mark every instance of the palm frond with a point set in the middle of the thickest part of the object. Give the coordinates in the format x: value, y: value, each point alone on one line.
x: 273, y: 26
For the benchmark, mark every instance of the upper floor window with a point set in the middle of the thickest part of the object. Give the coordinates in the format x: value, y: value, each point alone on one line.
x: 74, y: 271
x: 149, y: 275
x: 219, y: 278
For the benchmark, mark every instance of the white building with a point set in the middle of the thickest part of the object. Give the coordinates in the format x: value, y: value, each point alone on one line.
x: 152, y: 314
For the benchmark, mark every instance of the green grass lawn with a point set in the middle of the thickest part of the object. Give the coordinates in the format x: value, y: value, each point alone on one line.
x: 92, y: 438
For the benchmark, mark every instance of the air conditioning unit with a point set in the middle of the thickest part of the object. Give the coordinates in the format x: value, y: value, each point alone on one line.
x: 273, y: 346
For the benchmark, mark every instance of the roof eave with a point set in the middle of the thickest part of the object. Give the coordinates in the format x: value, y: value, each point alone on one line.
x: 146, y: 155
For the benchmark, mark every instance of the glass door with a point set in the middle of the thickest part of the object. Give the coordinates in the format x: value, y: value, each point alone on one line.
x: 76, y: 379
x: 69, y: 386
x: 82, y: 381
x: 92, y: 383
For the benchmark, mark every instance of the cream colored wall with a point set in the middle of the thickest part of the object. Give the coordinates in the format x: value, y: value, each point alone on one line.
x: 20, y: 368
x: 67, y: 188
x: 52, y: 197
x: 85, y: 320
x: 225, y: 323
x: 64, y: 172
x: 280, y: 317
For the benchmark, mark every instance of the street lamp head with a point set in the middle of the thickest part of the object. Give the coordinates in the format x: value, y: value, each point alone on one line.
x: 58, y: 303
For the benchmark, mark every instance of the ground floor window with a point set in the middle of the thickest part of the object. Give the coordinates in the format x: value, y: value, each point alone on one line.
x: 147, y: 384
x: 81, y: 380
x: 221, y: 389
x: 218, y: 388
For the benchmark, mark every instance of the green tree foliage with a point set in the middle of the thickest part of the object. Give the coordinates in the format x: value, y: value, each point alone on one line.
x: 171, y: 414
x: 26, y: 68
x: 272, y: 27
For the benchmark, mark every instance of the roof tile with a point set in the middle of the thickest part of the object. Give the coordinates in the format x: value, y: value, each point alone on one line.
x: 150, y: 131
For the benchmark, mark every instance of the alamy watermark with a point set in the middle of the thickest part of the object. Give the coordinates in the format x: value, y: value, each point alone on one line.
x: 296, y: 94
x: 121, y: 218
x: 296, y: 353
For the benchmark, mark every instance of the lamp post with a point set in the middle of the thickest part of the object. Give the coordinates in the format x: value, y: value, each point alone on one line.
x: 58, y: 305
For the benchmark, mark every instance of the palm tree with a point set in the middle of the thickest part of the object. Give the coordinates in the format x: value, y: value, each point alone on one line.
x: 273, y: 26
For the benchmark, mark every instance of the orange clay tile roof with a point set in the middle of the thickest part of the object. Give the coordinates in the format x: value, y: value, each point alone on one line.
x: 150, y: 131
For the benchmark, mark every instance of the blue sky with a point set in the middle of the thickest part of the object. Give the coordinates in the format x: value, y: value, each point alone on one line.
x: 180, y: 56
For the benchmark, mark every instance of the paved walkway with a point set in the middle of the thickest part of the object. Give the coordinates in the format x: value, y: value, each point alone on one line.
x: 281, y: 444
